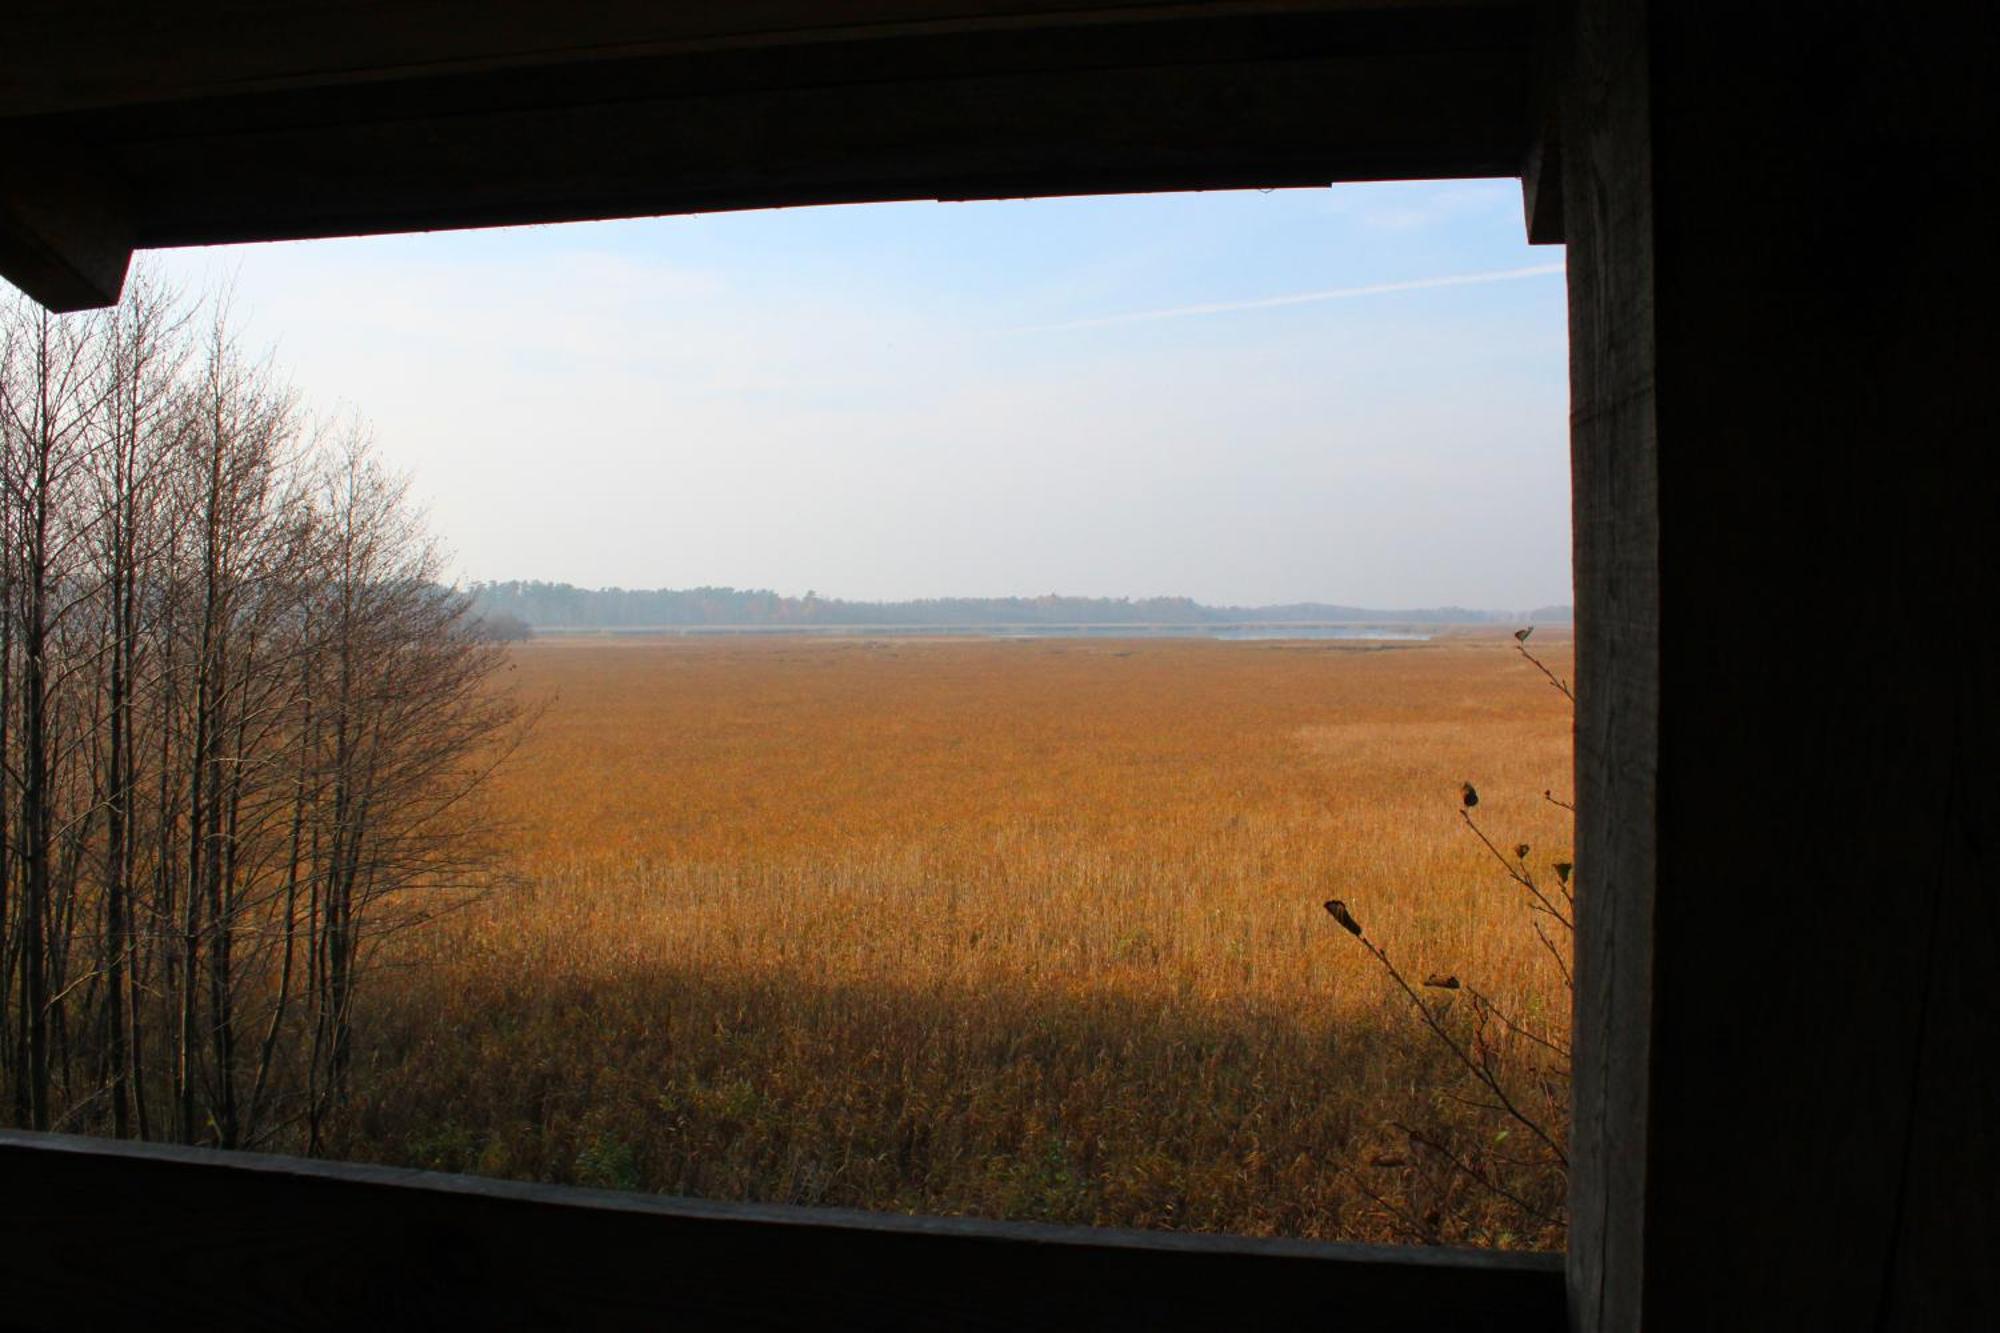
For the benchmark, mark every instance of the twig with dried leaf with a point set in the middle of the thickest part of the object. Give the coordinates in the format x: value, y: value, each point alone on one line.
x: 1494, y: 1062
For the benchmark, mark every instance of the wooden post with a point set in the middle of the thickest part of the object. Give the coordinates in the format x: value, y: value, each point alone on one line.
x: 1783, y: 308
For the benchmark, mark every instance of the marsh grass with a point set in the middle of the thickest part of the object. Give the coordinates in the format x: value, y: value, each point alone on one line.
x: 1011, y: 929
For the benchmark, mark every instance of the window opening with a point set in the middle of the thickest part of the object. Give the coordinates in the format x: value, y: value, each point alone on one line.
x: 905, y: 707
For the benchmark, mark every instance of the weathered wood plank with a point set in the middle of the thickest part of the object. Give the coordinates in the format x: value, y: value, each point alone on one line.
x: 1279, y: 122
x: 98, y: 1235
x: 1783, y: 343
x: 1616, y: 526
x: 1205, y: 96
x: 66, y: 234
x: 1541, y: 165
x: 1824, y: 1091
x: 71, y: 55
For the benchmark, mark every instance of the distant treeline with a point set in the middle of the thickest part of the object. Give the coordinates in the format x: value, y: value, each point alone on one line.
x: 564, y: 606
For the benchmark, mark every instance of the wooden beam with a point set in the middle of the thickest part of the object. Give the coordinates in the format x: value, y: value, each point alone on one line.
x: 1542, y: 187
x: 240, y: 1240
x: 66, y: 234
x: 1007, y: 134
x: 1541, y: 165
x: 1201, y: 96
x: 77, y: 55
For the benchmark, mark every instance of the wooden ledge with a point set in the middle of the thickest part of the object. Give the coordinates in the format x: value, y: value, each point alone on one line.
x: 104, y: 1234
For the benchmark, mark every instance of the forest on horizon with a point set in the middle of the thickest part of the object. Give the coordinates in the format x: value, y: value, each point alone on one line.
x: 544, y: 605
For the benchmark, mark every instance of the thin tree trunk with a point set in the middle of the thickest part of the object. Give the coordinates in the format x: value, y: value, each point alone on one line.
x: 35, y: 794
x: 292, y: 866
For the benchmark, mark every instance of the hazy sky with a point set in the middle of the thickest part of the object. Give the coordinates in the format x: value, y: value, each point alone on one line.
x: 1352, y: 395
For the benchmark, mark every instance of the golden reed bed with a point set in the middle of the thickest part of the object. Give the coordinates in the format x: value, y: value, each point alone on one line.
x: 1024, y: 929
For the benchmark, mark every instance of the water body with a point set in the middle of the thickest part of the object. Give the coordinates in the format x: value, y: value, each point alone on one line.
x: 1400, y: 633
x: 1320, y: 632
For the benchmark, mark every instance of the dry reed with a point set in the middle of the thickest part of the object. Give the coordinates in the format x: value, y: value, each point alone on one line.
x: 1016, y: 929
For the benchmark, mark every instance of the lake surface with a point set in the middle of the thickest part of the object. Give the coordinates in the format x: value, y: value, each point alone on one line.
x: 1246, y: 631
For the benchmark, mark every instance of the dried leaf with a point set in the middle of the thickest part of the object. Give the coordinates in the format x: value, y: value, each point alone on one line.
x: 1338, y: 911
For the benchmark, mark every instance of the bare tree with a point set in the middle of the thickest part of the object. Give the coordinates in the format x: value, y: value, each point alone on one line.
x: 49, y: 410
x: 243, y: 719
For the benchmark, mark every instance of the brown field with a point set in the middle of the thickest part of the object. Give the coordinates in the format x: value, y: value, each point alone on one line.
x: 1016, y: 929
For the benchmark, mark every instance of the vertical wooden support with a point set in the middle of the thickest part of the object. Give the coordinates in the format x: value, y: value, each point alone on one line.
x: 1783, y: 305
x: 1608, y: 223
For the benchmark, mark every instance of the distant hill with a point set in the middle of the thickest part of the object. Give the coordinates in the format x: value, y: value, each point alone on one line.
x: 549, y: 606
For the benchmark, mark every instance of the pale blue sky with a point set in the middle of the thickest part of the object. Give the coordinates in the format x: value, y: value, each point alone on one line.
x: 908, y: 400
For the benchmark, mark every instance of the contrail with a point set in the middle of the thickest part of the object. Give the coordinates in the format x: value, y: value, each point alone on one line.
x: 1302, y: 298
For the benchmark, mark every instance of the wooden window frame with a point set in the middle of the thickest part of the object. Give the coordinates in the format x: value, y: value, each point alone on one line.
x: 1711, y: 164
x: 1212, y: 95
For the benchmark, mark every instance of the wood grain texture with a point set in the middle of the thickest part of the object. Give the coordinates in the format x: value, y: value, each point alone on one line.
x: 1786, y: 714
x: 1277, y: 121
x: 1204, y: 96
x: 243, y: 1241
x: 1542, y: 160
x: 1823, y: 1095
x: 1616, y: 528
x: 66, y: 232
x: 1782, y: 286
x: 68, y: 55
